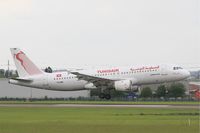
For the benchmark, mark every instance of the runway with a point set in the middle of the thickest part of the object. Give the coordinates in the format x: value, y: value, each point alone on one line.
x: 101, y: 106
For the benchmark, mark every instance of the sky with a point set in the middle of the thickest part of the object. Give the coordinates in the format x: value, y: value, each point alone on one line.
x: 90, y: 33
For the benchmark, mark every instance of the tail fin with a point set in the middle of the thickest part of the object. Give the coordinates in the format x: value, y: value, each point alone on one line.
x: 25, y: 67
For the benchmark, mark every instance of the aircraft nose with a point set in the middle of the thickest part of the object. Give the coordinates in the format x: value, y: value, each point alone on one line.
x: 186, y: 74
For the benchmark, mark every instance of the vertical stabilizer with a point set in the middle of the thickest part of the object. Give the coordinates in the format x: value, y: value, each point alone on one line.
x: 25, y: 67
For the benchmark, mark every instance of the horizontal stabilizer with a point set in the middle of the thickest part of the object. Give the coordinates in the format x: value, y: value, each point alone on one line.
x: 21, y: 79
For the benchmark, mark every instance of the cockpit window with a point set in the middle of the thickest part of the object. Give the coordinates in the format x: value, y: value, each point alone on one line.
x: 177, y: 68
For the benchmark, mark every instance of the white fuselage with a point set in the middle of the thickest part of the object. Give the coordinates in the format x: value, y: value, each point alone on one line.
x: 139, y: 75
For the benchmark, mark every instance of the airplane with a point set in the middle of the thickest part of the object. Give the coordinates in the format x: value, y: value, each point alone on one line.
x: 118, y: 78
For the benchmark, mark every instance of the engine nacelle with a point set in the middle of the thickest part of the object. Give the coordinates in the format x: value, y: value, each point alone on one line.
x: 123, y: 85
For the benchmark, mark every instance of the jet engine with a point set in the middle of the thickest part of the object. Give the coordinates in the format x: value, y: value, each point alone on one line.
x: 123, y: 85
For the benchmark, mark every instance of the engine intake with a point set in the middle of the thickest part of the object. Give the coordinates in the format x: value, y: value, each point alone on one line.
x: 123, y: 85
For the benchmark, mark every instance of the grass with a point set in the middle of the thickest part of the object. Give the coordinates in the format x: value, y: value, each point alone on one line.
x: 98, y: 120
x: 105, y: 102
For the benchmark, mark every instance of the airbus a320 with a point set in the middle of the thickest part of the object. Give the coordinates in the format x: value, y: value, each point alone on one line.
x: 118, y: 78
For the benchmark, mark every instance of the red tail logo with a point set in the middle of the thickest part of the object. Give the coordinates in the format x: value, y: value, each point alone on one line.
x: 17, y: 56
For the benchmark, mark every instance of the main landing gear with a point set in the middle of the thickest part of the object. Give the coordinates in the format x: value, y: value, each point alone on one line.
x: 106, y: 96
x: 104, y: 93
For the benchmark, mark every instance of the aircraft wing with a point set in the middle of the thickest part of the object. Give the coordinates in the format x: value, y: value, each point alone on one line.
x: 97, y: 81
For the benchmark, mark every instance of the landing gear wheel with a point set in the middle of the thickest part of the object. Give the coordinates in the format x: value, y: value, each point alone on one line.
x: 107, y: 96
x: 101, y: 95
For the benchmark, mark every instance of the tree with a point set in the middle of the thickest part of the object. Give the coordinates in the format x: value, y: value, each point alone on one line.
x: 161, y: 91
x: 48, y: 70
x: 45, y: 97
x: 146, y: 92
x: 2, y: 72
x: 7, y: 73
x: 176, y: 90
